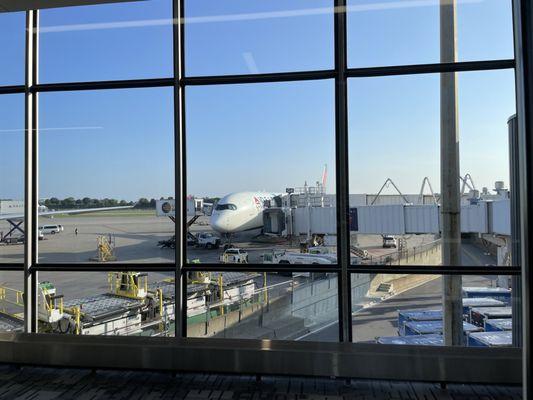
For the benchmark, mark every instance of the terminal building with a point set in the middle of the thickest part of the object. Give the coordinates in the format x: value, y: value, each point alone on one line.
x: 174, y: 256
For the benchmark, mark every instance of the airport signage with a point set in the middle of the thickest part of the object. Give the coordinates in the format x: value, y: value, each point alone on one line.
x: 165, y: 208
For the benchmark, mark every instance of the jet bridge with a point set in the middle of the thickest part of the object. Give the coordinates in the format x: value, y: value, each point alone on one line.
x: 490, y: 217
x: 482, y: 217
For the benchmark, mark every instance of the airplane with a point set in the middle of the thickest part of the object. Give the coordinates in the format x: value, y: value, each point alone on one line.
x: 16, y: 217
x: 243, y: 211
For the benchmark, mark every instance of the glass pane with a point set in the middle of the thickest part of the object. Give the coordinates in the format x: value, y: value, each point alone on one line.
x: 408, y: 309
x: 486, y: 102
x: 258, y: 141
x: 105, y: 303
x: 11, y: 301
x: 395, y: 178
x: 393, y: 32
x: 12, y: 181
x: 109, y: 150
x: 13, y: 44
x: 299, y: 306
x: 128, y: 40
x: 393, y: 147
x: 256, y: 36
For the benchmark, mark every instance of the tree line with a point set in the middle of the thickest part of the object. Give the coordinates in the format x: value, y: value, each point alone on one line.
x: 71, y: 203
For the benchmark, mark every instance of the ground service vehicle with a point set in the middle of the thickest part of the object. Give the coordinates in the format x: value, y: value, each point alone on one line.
x: 207, y: 240
x: 287, y: 257
x: 50, y: 229
x: 234, y: 256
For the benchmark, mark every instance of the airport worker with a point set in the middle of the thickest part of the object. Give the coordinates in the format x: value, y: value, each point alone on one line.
x: 76, y: 231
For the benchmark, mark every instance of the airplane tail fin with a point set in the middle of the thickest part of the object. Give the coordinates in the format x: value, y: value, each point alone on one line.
x: 325, y: 176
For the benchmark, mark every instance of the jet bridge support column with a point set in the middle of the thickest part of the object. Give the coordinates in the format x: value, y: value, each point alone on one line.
x: 449, y: 169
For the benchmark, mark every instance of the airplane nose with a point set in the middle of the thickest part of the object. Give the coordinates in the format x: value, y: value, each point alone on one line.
x: 220, y: 224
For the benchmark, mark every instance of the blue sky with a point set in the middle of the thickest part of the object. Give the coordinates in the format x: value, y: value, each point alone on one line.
x: 259, y: 136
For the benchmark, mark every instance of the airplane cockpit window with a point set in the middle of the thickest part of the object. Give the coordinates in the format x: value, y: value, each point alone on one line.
x: 222, y: 207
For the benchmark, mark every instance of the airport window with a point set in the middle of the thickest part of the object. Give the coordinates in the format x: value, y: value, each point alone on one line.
x: 131, y: 40
x: 282, y: 306
x: 11, y: 301
x: 389, y: 161
x: 110, y: 150
x: 257, y: 180
x: 255, y: 36
x: 106, y: 303
x: 243, y: 158
x: 486, y: 109
x: 12, y: 181
x: 403, y: 33
x: 400, y: 157
x: 408, y: 310
x: 12, y: 28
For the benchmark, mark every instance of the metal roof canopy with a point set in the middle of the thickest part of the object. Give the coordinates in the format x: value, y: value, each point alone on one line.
x: 24, y: 5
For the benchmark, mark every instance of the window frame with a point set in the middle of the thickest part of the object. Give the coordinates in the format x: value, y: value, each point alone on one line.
x: 340, y: 73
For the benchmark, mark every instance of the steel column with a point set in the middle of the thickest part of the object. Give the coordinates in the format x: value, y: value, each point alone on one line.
x: 31, y: 196
x: 449, y: 171
x: 515, y: 243
x: 179, y: 195
x: 341, y: 171
x: 523, y: 33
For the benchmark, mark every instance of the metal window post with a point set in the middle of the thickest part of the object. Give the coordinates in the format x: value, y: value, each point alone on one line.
x: 449, y: 170
x: 31, y: 199
x: 180, y: 309
x: 523, y: 33
x: 341, y: 146
x: 515, y: 244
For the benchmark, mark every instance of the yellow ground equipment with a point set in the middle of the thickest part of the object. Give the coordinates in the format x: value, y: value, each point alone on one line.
x: 10, y: 296
x: 105, y: 247
x: 50, y: 303
x: 11, y: 309
x: 133, y: 285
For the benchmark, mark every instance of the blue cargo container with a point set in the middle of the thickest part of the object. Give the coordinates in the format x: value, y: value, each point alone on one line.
x: 478, y: 316
x: 434, y: 327
x: 490, y: 339
x: 426, y: 340
x: 498, y: 324
x: 416, y: 315
x: 471, y: 302
x: 497, y: 293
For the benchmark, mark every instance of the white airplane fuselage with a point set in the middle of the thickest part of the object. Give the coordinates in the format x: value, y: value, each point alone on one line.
x: 240, y: 212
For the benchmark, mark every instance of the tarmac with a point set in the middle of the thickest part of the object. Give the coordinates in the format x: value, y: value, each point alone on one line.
x: 136, y: 235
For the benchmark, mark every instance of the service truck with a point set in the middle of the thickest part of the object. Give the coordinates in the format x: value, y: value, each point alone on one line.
x: 287, y: 257
x: 234, y: 256
x: 207, y: 240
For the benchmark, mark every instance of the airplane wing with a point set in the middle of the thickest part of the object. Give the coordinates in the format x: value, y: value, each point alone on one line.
x: 76, y: 211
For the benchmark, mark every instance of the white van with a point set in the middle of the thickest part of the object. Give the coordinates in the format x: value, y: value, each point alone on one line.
x: 50, y: 229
